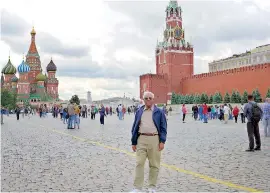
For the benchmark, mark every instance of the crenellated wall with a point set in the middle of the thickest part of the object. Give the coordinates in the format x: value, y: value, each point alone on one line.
x: 241, y: 79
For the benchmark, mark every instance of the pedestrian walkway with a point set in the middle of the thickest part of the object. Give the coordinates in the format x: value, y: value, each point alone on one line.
x: 42, y: 155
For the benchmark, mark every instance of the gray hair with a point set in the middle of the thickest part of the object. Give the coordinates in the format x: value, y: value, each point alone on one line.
x: 148, y: 94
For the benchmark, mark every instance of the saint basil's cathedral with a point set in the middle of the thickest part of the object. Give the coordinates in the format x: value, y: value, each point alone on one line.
x: 175, y: 62
x: 32, y: 85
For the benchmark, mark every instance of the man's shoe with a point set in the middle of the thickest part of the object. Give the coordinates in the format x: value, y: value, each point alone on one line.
x: 250, y: 150
x: 136, y: 190
x: 151, y: 190
x: 257, y: 149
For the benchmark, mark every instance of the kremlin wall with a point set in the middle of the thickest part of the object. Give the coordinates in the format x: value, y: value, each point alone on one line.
x: 175, y: 64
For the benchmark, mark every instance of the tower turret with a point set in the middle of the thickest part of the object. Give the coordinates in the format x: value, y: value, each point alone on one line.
x: 23, y: 83
x: 52, y: 82
x: 9, y: 71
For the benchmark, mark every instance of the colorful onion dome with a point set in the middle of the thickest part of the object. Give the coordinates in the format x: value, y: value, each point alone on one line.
x: 41, y: 77
x: 51, y: 66
x: 23, y: 67
x: 14, y: 79
x: 9, y: 68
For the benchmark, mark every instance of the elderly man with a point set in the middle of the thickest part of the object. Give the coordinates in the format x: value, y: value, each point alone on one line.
x: 253, y: 113
x: 149, y: 133
x: 266, y: 117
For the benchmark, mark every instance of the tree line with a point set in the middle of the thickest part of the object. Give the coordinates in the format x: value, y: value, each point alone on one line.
x: 217, y: 98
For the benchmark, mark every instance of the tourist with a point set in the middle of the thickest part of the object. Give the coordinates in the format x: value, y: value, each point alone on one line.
x: 93, y: 112
x: 205, y: 113
x: 149, y: 133
x: 102, y: 114
x: 110, y: 111
x: 200, y: 112
x: 61, y: 111
x: 184, y: 112
x: 209, y: 112
x: 71, y: 117
x: 243, y: 119
x: 2, y: 115
x: 266, y: 117
x: 65, y: 115
x: 235, y: 113
x: 227, y: 112
x: 77, y: 111
x: 18, y: 111
x: 230, y: 112
x: 123, y: 112
x: 195, y: 111
x: 253, y: 113
x: 120, y: 112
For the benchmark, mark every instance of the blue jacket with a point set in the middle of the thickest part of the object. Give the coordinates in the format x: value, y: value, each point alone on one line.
x: 160, y: 122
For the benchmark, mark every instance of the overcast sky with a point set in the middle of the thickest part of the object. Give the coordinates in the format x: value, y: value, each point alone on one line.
x: 103, y: 46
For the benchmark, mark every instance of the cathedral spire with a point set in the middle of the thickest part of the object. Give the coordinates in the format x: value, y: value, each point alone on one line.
x: 33, y: 48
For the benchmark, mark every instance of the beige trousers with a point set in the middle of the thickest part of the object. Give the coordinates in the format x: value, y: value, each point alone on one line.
x: 147, y: 147
x: 226, y: 118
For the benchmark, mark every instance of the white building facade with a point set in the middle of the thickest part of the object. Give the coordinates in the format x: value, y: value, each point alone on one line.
x: 259, y: 55
x: 89, y: 97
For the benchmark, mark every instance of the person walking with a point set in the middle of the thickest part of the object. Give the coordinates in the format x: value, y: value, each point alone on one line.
x: 71, y: 116
x: 227, y: 112
x: 184, y: 112
x: 120, y: 112
x: 18, y: 111
x: 102, y: 113
x: 149, y: 132
x: 243, y: 119
x: 77, y: 111
x: 195, y: 112
x: 235, y: 113
x: 2, y: 115
x: 254, y: 114
x: 266, y: 117
x: 205, y: 113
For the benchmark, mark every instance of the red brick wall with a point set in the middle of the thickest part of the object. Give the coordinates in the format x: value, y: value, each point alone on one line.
x: 244, y: 78
x: 156, y: 84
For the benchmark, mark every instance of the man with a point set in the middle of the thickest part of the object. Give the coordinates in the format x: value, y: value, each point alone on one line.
x: 266, y: 117
x: 253, y: 113
x: 149, y: 133
x: 120, y: 111
x: 71, y: 113
x: 226, y: 111
x: 242, y: 113
x: 195, y: 111
x: 205, y: 113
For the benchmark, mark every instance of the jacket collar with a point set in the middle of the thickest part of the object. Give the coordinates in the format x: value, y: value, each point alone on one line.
x: 153, y: 108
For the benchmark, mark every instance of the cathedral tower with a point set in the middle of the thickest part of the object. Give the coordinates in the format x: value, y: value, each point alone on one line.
x: 33, y: 60
x: 23, y: 83
x: 52, y: 82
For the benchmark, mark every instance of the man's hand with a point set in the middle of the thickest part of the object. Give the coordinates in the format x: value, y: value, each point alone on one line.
x: 161, y: 146
x: 134, y: 148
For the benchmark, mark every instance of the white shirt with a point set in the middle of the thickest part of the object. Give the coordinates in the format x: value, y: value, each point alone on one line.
x: 226, y: 110
x: 242, y: 109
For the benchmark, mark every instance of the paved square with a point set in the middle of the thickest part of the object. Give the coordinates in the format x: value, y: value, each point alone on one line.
x: 42, y: 155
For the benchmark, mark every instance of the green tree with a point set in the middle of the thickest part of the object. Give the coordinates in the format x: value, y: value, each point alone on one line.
x: 186, y: 99
x: 197, y: 99
x: 268, y: 93
x: 244, y: 98
x: 204, y: 98
x: 238, y: 97
x: 227, y: 98
x: 233, y: 97
x: 75, y: 99
x: 8, y: 99
x: 257, y: 96
x: 191, y: 99
x: 217, y: 98
x: 173, y: 99
x: 211, y: 99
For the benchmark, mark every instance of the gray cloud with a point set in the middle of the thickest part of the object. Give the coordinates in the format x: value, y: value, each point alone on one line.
x: 207, y: 22
x: 15, y: 31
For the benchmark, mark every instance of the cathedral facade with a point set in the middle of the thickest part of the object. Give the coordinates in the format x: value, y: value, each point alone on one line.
x: 32, y: 85
x: 175, y: 64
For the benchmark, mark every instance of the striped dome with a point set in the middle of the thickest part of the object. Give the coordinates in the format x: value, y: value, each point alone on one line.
x: 9, y: 68
x: 14, y: 79
x: 23, y: 67
x: 41, y: 77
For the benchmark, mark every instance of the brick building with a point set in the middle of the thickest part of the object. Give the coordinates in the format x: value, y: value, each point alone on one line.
x: 175, y: 63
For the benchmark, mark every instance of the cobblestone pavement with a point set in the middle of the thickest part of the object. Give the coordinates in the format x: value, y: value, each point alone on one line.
x: 41, y: 155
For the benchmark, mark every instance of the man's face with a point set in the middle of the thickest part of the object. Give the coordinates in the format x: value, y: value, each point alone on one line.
x: 148, y: 100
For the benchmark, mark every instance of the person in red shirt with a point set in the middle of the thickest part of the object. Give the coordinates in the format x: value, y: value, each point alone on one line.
x: 205, y: 113
x: 235, y: 113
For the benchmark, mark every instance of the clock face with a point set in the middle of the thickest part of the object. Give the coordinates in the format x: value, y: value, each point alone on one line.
x: 178, y: 33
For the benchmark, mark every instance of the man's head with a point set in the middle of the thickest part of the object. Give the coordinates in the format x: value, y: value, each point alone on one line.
x: 250, y: 98
x: 148, y: 98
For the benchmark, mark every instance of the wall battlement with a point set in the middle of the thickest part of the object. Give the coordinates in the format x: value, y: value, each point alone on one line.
x: 152, y: 76
x: 230, y: 71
